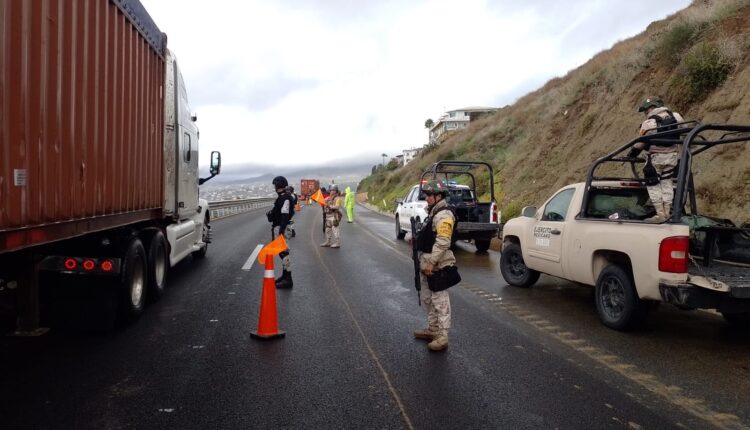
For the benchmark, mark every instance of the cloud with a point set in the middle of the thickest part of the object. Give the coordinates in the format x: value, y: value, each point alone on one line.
x: 312, y: 81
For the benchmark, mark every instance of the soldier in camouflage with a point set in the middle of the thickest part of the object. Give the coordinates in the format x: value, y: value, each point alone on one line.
x: 333, y: 215
x: 663, y: 158
x: 438, y: 228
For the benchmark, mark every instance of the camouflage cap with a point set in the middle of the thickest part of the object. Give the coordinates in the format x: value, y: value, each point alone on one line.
x: 651, y: 102
x: 434, y: 187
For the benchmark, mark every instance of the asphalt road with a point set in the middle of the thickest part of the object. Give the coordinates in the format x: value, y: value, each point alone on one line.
x: 518, y: 358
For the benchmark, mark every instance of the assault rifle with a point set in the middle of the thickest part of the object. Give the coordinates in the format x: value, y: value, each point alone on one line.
x: 415, y: 257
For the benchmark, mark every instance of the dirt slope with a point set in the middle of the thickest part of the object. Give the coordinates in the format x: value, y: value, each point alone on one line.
x: 697, y: 60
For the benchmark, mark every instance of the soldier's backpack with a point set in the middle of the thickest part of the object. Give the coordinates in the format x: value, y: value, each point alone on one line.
x: 665, y: 124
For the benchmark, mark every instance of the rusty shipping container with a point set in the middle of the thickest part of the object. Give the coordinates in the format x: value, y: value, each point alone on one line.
x: 81, y: 118
x: 308, y: 187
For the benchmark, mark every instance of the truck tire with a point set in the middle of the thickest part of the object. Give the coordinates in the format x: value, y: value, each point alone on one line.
x: 400, y: 234
x: 514, y: 270
x: 133, y: 281
x: 482, y: 245
x: 617, y: 302
x: 158, y: 264
x: 740, y: 319
x: 201, y: 253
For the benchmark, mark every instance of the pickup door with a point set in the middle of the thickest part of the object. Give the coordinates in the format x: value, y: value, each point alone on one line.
x: 545, y: 244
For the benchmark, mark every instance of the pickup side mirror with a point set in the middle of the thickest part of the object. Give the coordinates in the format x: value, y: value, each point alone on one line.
x: 399, y: 201
x: 215, y: 163
x: 529, y: 211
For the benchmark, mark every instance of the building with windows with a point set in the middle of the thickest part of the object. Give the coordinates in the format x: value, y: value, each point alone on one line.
x: 410, y: 154
x: 457, y: 119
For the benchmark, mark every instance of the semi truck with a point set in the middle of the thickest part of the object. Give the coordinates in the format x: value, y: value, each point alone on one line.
x: 98, y: 158
x: 307, y: 188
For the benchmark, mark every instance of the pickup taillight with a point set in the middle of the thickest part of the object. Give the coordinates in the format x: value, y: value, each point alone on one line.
x: 493, y: 208
x: 673, y: 254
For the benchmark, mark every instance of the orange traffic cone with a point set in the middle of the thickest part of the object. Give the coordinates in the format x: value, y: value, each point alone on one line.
x: 268, y: 325
x: 296, y: 208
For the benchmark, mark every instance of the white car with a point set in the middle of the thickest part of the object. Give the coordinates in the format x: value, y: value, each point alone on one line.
x: 413, y: 205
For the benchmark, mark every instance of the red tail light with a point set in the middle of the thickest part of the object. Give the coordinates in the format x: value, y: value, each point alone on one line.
x: 494, y: 213
x: 673, y: 254
x: 107, y: 266
x: 89, y: 265
x: 70, y: 264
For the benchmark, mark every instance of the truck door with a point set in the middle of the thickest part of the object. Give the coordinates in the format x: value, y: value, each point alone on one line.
x: 545, y: 244
x: 187, y: 170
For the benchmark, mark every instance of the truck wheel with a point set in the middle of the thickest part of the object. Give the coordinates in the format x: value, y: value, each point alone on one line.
x: 617, y: 302
x: 158, y: 265
x: 133, y: 281
x: 482, y: 245
x: 204, y: 235
x: 740, y: 319
x: 400, y: 234
x: 513, y: 268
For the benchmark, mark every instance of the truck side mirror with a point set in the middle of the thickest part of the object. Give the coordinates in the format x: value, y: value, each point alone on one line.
x: 399, y: 201
x: 529, y: 211
x: 194, y: 117
x: 215, y: 163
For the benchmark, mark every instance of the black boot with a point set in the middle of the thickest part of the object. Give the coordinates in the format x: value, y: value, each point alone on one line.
x: 285, y: 281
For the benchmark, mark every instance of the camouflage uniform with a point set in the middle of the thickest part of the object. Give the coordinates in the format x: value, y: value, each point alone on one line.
x: 438, y: 303
x: 333, y: 217
x: 663, y: 158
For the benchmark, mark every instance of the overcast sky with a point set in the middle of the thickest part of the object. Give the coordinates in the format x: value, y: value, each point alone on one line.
x: 299, y: 82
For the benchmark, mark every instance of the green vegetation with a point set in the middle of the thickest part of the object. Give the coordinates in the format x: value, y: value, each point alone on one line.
x: 705, y: 68
x: 678, y: 37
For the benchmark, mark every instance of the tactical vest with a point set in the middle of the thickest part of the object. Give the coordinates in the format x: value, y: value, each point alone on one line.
x: 426, y: 236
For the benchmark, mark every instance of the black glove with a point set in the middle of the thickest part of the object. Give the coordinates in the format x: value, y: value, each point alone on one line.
x: 634, y: 152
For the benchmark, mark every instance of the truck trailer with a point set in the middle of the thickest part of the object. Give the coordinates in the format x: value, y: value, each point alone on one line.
x: 307, y: 188
x: 98, y: 157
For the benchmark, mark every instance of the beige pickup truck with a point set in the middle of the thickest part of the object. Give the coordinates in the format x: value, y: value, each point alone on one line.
x: 597, y: 233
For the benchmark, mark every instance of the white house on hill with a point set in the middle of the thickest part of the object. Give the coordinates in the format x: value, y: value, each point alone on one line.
x: 457, y: 120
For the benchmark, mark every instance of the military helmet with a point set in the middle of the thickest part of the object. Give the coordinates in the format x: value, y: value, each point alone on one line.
x: 280, y: 182
x: 435, y: 187
x: 333, y: 187
x: 656, y: 102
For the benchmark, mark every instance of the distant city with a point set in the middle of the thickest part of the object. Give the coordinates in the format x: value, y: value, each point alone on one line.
x: 254, y: 189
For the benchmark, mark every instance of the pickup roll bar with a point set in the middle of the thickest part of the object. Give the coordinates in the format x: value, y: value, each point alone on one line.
x: 690, y: 135
x: 459, y: 168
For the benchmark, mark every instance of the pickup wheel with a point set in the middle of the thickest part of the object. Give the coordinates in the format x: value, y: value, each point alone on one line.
x: 400, y: 234
x: 482, y: 245
x: 133, y: 281
x: 617, y: 302
x: 513, y: 268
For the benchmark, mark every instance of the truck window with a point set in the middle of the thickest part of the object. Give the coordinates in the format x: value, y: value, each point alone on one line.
x: 410, y: 197
x: 628, y: 203
x: 557, y: 208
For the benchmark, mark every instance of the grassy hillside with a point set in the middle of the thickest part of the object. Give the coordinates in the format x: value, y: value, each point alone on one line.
x: 697, y: 60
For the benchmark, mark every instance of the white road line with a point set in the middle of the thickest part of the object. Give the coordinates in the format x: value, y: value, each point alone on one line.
x: 249, y: 263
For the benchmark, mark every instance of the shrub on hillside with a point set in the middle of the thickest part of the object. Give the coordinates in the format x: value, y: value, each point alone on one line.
x: 676, y: 39
x: 512, y: 210
x: 704, y: 68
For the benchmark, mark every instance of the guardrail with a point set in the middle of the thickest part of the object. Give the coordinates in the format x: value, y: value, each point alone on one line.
x: 225, y: 208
